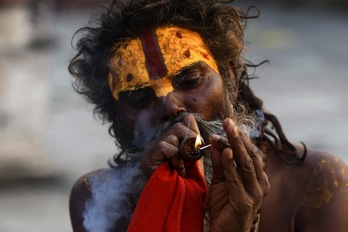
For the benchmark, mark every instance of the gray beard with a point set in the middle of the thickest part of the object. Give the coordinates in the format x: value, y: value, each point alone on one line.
x: 206, y: 130
x: 249, y: 125
x: 129, y: 163
x: 125, y: 195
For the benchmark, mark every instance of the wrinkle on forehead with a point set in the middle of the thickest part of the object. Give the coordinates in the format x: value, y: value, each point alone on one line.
x: 178, y: 47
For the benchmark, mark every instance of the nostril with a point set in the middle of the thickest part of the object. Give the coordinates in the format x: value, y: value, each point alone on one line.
x: 172, y: 105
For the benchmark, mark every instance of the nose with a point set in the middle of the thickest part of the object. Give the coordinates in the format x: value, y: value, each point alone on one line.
x: 173, y: 105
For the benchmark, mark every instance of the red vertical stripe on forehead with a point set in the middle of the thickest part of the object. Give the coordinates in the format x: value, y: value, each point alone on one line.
x: 154, y: 60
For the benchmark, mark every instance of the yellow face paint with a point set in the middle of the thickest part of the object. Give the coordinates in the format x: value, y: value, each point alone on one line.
x: 154, y: 58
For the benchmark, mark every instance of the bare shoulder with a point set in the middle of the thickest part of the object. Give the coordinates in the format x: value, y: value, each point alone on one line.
x: 312, y: 194
x: 83, y: 182
x: 325, y: 182
x: 82, y: 188
x: 80, y: 193
x: 326, y: 168
x: 97, y: 197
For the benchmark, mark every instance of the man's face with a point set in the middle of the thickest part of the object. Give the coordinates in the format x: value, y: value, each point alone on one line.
x: 160, y: 74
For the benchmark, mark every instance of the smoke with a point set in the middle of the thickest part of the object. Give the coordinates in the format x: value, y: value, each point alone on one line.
x: 116, y: 191
x: 142, y: 130
x: 114, y: 195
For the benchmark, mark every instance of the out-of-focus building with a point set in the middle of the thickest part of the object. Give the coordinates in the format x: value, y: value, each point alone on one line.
x: 25, y: 35
x: 27, y: 40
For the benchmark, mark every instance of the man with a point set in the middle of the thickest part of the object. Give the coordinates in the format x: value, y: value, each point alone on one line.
x: 162, y: 72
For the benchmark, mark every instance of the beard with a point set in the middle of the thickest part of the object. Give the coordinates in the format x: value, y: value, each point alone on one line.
x: 206, y: 129
x: 250, y: 125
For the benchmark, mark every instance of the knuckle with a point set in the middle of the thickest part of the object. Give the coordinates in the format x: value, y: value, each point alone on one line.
x: 255, y: 154
x: 248, y: 165
x: 248, y: 206
x: 177, y: 126
x: 161, y: 144
x: 172, y: 139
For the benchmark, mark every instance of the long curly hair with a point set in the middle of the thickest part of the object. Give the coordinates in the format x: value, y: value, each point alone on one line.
x: 220, y: 25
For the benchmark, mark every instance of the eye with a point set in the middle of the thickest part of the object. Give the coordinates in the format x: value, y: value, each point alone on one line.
x: 187, y: 81
x: 139, y: 98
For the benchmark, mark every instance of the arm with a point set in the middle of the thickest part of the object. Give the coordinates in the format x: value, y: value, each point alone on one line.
x: 326, y: 205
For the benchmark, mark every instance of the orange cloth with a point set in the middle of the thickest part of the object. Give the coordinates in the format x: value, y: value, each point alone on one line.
x: 171, y: 203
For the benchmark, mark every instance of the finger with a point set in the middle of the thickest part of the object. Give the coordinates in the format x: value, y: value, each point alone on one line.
x: 256, y: 156
x: 215, y: 156
x: 166, y: 150
x: 259, y: 166
x: 178, y: 164
x: 219, y: 142
x: 190, y: 121
x: 256, y: 182
x: 244, y: 163
x: 182, y: 131
x: 172, y: 153
x: 233, y: 179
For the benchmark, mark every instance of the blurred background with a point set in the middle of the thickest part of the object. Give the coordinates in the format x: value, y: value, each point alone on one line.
x: 49, y: 137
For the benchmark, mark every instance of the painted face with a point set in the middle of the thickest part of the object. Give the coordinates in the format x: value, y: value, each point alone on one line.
x: 154, y: 58
x: 161, y: 73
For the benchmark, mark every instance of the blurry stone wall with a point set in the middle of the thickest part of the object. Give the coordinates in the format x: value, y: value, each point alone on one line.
x: 24, y: 91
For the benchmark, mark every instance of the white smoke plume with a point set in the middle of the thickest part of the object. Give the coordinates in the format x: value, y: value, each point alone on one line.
x: 114, y: 195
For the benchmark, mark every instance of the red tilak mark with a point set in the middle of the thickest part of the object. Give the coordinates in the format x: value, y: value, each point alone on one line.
x: 187, y: 53
x: 129, y: 77
x: 179, y: 35
x: 154, y: 60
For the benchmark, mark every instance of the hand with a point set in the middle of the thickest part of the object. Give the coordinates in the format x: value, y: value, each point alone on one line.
x: 239, y: 183
x: 167, y: 147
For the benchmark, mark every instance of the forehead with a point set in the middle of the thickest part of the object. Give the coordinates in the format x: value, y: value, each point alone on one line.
x: 154, y: 57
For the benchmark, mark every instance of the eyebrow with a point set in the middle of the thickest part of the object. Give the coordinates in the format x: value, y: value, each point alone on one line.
x: 189, y: 68
x: 134, y: 88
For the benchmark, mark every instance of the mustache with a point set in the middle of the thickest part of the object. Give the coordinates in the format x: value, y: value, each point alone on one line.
x: 250, y: 124
x: 206, y: 128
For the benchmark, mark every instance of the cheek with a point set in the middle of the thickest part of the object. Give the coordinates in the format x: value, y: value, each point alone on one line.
x: 216, y: 103
x: 210, y: 100
x: 139, y: 125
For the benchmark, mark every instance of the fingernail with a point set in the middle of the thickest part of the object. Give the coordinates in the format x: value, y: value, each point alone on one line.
x: 229, y: 122
x: 226, y: 122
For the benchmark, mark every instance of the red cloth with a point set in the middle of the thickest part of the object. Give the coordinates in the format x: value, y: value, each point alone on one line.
x: 171, y: 203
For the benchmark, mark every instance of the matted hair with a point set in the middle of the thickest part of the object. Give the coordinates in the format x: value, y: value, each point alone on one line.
x: 220, y: 25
